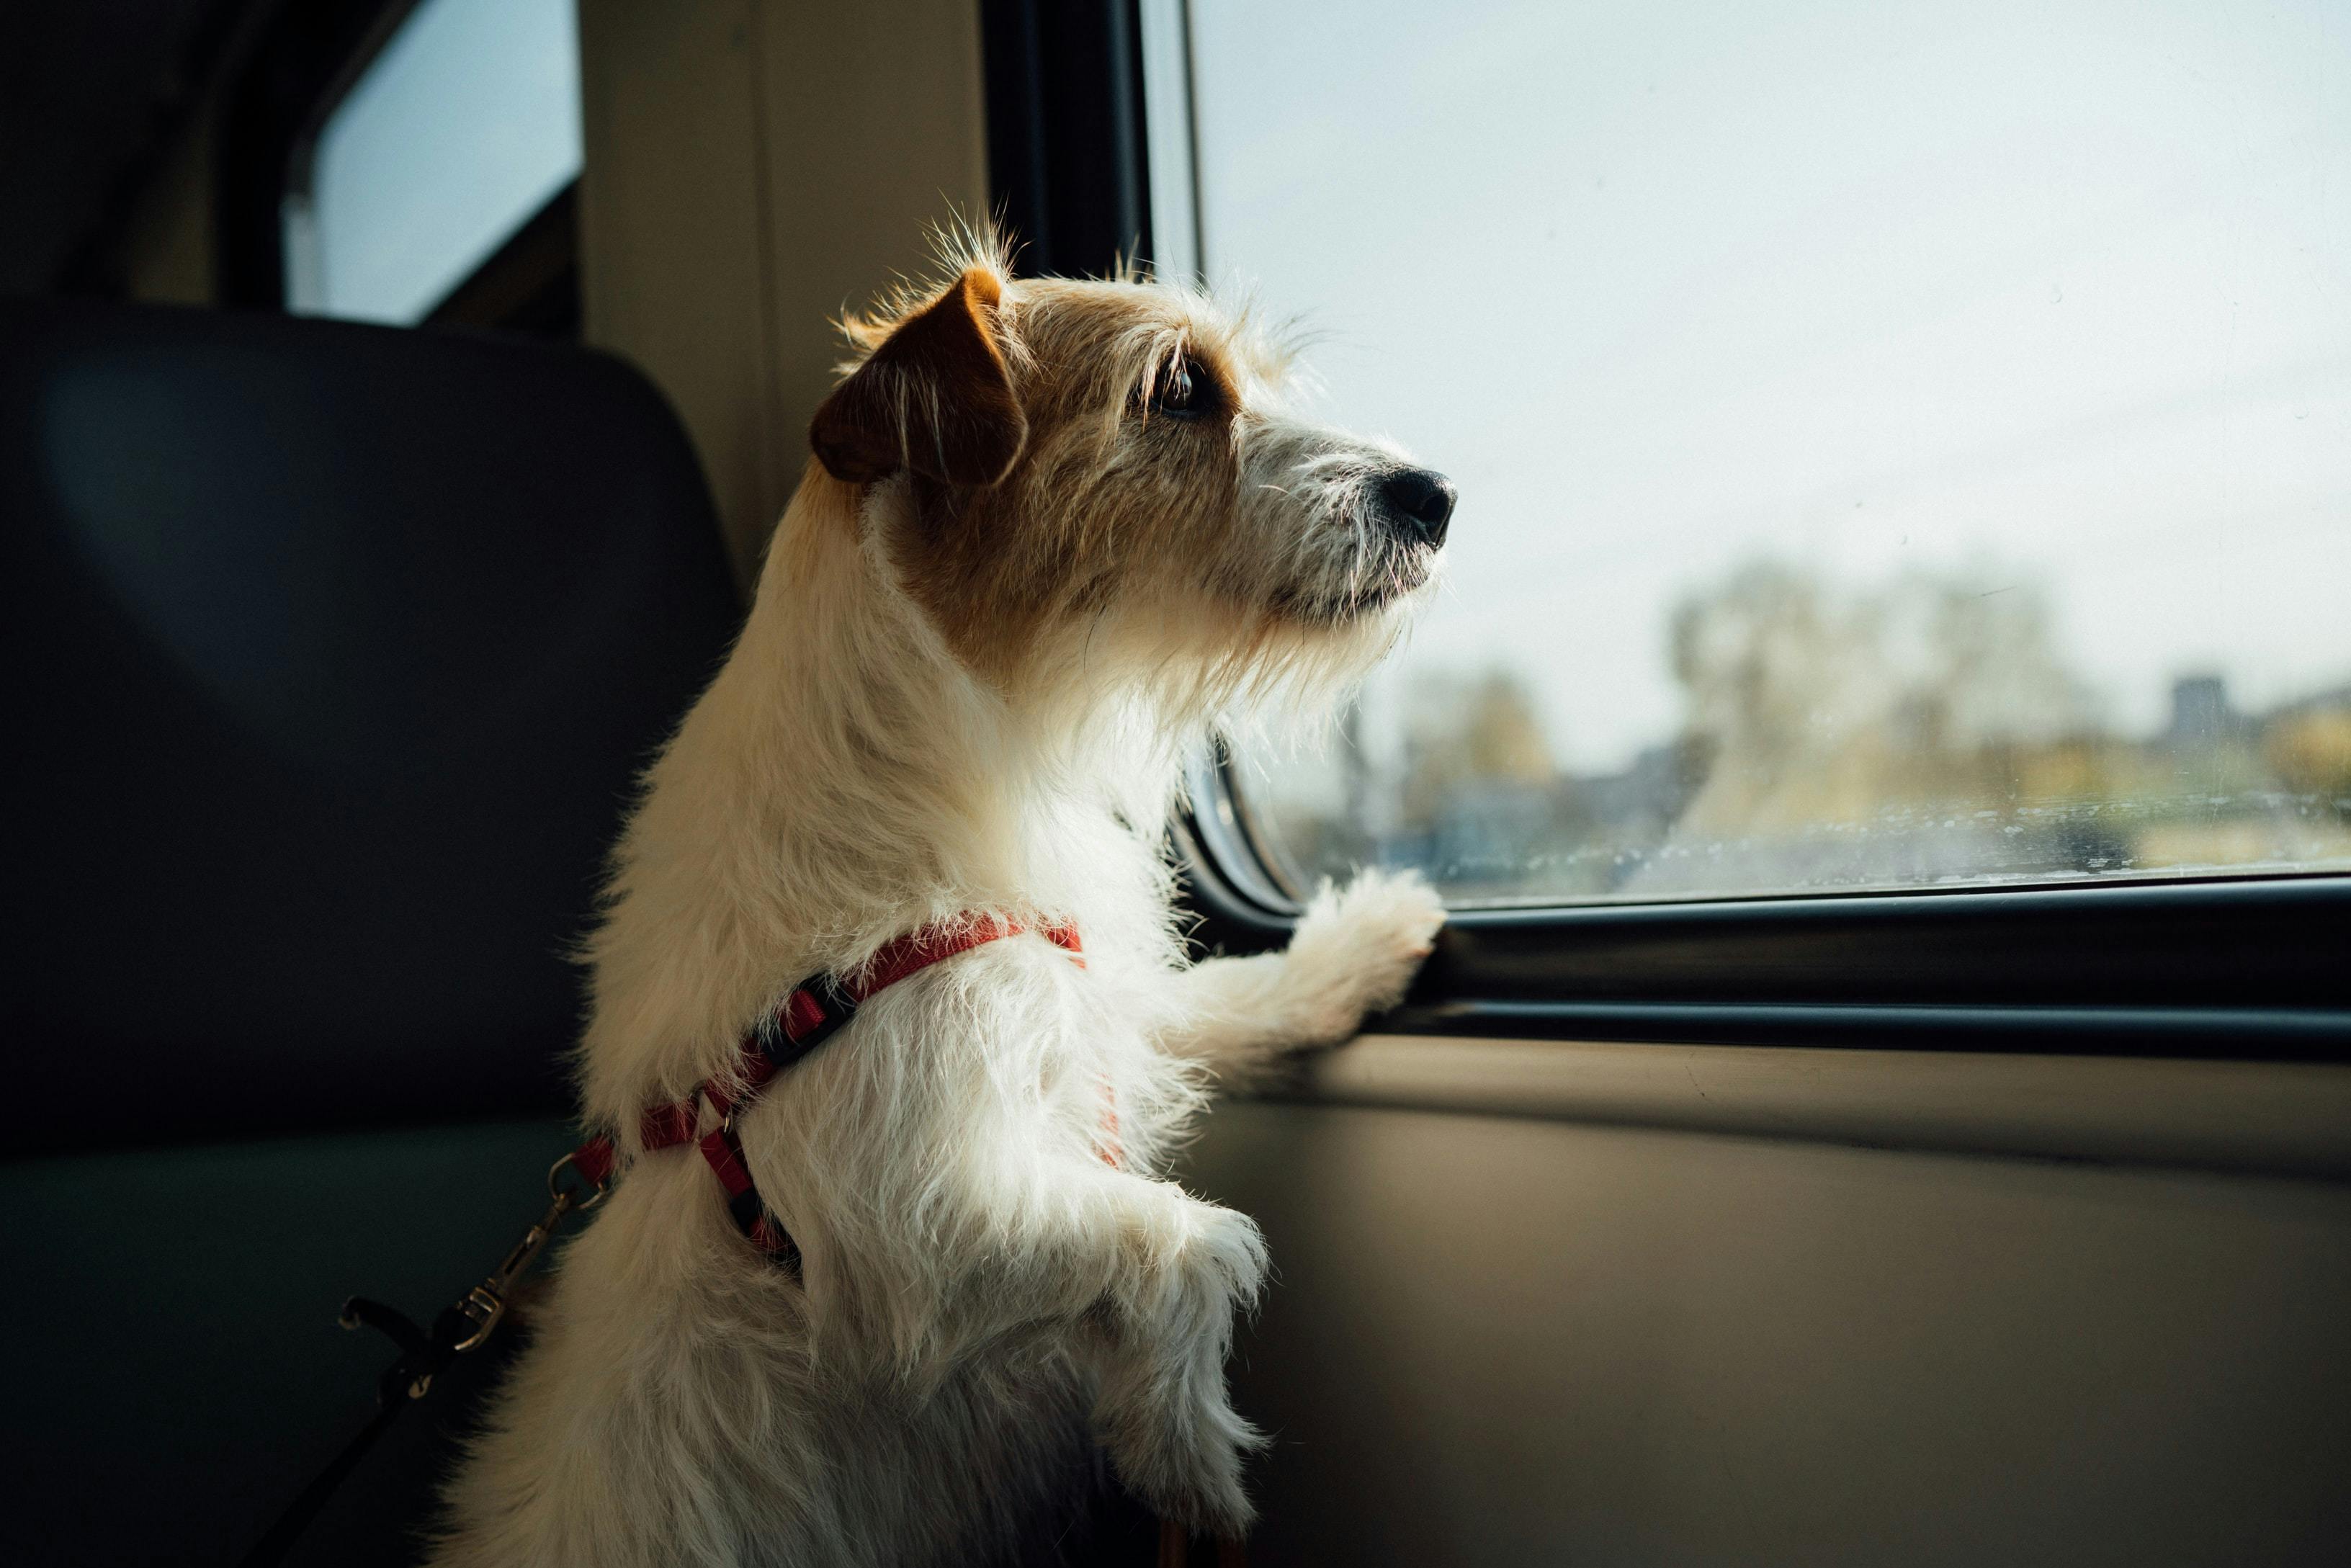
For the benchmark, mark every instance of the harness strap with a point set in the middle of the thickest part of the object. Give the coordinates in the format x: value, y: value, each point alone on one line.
x: 814, y: 1011
x: 817, y: 1008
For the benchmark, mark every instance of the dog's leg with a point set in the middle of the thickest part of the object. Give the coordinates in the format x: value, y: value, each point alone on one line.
x: 1156, y: 1276
x: 1354, y: 953
x: 1163, y: 1410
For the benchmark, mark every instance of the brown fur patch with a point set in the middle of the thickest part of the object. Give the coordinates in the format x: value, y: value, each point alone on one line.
x: 1107, y: 504
x: 934, y: 397
x: 1118, y: 530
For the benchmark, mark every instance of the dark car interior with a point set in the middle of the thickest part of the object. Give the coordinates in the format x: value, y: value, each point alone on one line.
x: 294, y: 671
x: 1923, y: 1218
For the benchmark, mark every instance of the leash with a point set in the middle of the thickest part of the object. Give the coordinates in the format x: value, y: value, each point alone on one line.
x: 814, y: 1012
x: 464, y: 1325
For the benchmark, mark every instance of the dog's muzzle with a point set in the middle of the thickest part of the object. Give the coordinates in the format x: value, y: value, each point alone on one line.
x: 1416, y: 505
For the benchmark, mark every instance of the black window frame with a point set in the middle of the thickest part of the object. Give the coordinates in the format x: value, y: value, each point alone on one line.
x: 1068, y: 159
x: 2249, y: 968
x: 279, y: 100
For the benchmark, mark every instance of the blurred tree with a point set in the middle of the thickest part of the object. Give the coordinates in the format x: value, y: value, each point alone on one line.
x: 2311, y: 751
x: 1464, y: 733
x: 1817, y: 708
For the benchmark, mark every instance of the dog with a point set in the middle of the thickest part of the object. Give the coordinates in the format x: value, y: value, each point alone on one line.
x: 1054, y: 535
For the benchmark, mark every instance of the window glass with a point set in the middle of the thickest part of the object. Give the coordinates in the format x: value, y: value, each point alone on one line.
x: 1898, y: 446
x: 465, y: 125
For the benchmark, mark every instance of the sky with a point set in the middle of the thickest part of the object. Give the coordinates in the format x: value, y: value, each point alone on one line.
x: 2055, y: 293
x: 466, y: 124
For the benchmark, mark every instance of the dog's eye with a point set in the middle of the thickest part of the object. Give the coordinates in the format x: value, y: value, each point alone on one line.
x: 1184, y: 392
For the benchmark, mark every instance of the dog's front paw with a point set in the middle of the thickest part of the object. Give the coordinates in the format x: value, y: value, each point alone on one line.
x: 1222, y: 1267
x: 1185, y: 1462
x: 1166, y: 1421
x: 1358, y: 949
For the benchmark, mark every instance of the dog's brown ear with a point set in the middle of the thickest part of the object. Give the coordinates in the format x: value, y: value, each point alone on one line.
x: 936, y: 397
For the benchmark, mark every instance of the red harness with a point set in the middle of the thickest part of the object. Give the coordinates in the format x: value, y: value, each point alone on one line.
x: 817, y: 1009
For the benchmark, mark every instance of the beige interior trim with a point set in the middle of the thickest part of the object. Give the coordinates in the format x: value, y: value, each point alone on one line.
x: 2291, y: 1119
x: 752, y: 168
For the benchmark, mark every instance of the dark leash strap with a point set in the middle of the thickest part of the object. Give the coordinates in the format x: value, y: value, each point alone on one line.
x: 812, y: 1013
x: 466, y: 1324
x: 423, y: 1357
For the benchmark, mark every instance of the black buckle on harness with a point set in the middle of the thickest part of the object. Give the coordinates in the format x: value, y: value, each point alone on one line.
x: 834, y: 1009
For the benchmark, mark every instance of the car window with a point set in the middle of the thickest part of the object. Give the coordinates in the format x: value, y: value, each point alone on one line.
x: 457, y: 131
x: 1900, y: 446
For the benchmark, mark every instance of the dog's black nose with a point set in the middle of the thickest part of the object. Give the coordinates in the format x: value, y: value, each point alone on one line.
x: 1420, y: 502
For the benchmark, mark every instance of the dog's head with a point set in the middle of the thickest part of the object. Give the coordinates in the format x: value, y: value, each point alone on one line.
x: 1111, y: 468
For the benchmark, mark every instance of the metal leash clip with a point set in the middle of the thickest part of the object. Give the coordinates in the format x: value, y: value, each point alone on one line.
x: 485, y: 1304
x: 461, y: 1326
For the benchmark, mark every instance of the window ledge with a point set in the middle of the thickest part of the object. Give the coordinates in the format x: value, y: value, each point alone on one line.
x: 2270, y: 1118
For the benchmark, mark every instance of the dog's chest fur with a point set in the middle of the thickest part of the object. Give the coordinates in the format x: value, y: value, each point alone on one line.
x: 675, y: 1362
x: 686, y: 1398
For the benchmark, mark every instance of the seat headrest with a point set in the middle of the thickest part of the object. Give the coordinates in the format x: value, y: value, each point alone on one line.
x: 329, y: 656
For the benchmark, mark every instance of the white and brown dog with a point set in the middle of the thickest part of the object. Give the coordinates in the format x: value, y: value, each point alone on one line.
x: 1056, y: 533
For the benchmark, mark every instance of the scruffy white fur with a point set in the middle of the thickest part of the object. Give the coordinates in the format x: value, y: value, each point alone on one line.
x: 983, y: 1295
